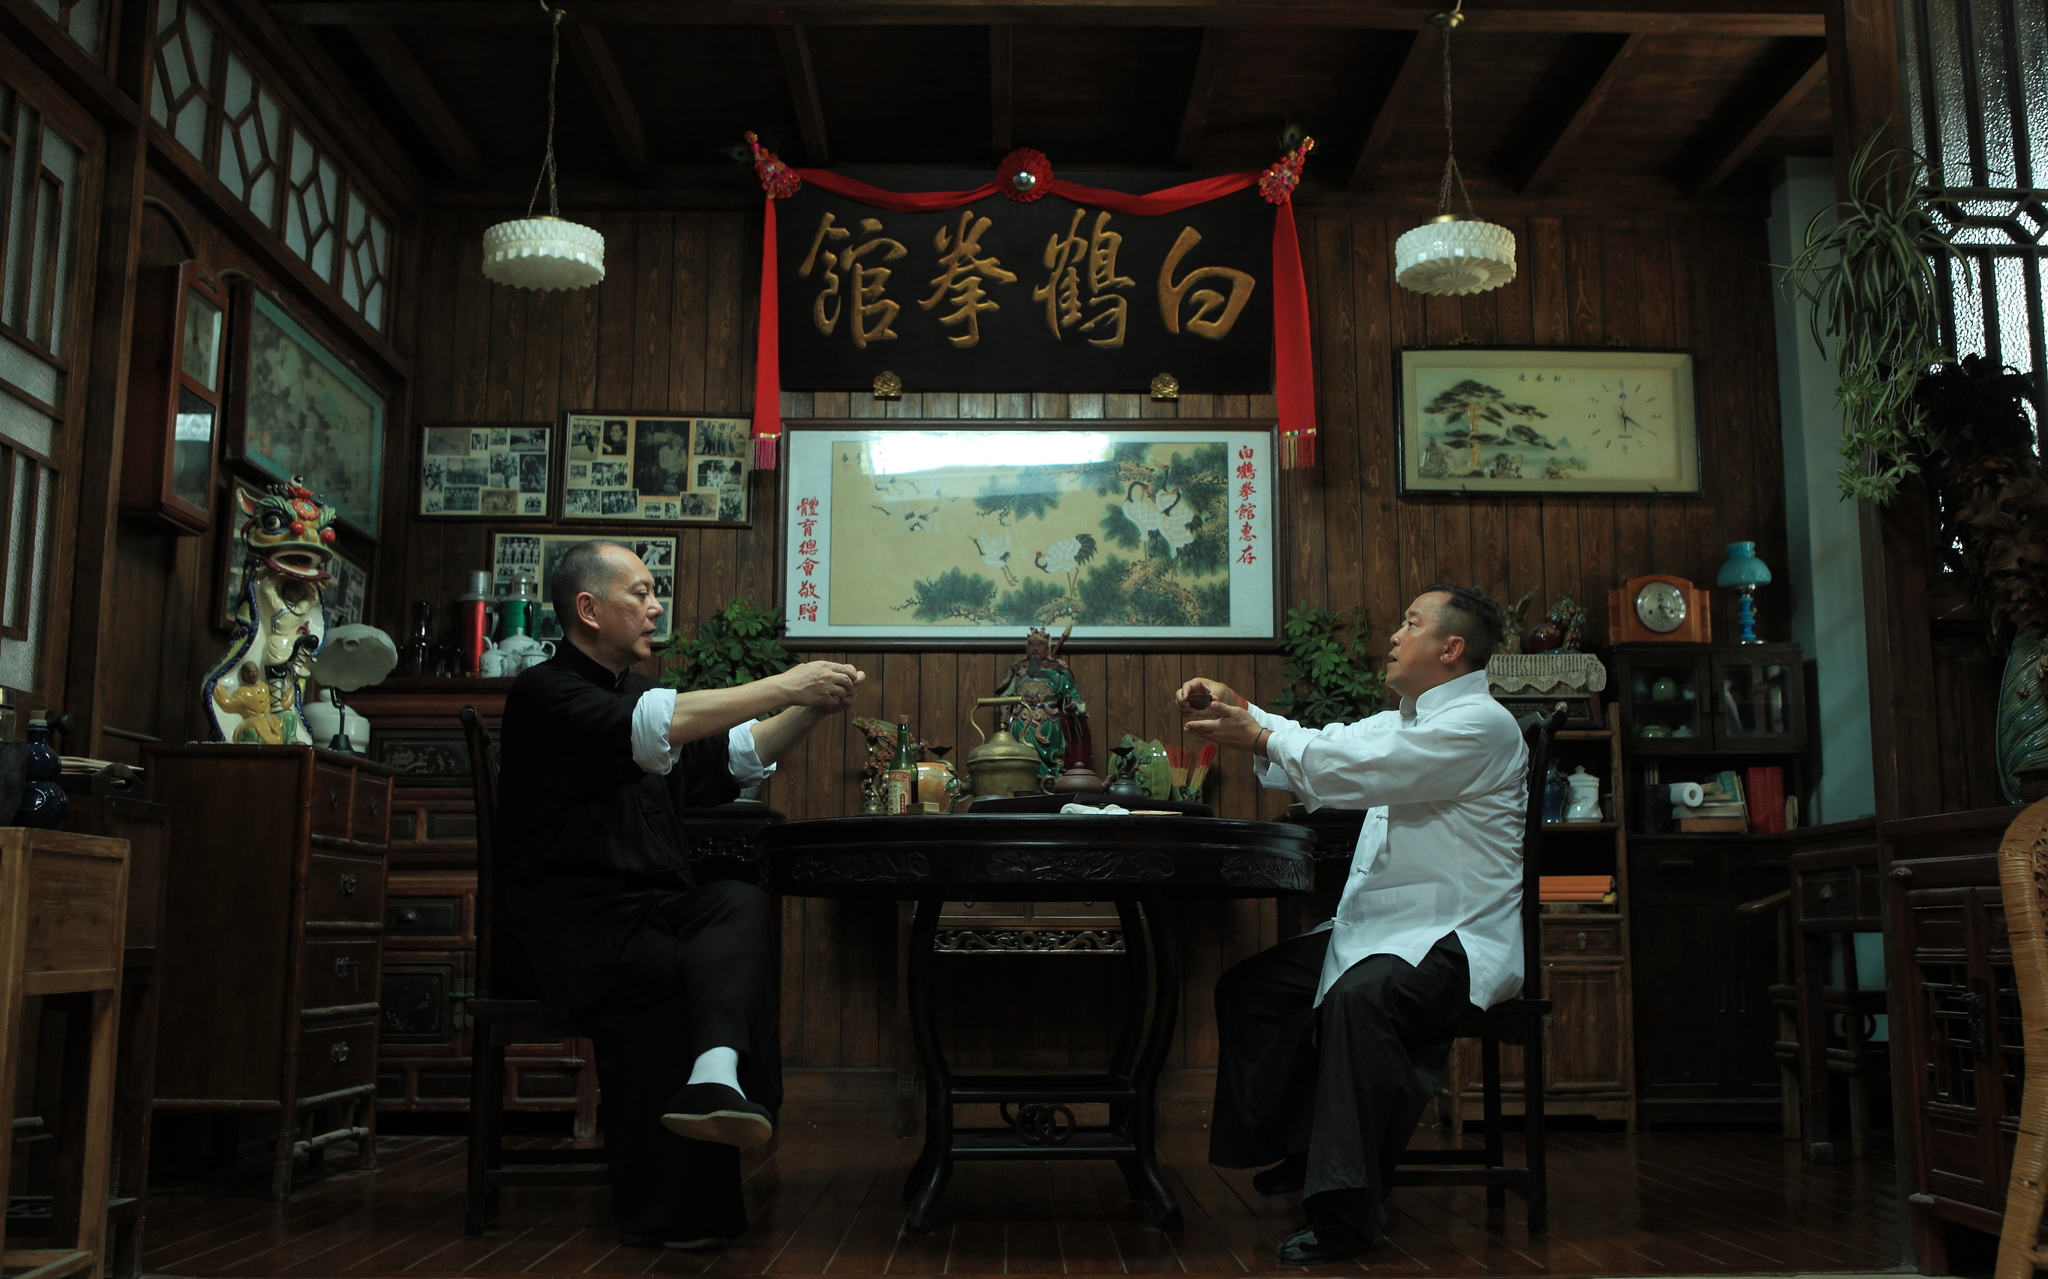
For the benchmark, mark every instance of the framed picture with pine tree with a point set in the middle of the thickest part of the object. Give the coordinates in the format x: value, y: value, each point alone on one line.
x: 936, y: 533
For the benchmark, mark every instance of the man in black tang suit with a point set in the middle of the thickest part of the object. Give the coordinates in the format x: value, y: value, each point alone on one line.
x: 673, y: 981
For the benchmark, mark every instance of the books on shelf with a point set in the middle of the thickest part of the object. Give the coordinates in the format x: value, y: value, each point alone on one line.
x: 1576, y: 888
x: 1766, y: 799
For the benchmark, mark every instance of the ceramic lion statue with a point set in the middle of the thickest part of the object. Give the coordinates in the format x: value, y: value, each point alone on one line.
x: 256, y: 692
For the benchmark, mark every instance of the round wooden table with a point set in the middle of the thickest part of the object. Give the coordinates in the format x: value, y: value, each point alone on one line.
x: 1141, y: 863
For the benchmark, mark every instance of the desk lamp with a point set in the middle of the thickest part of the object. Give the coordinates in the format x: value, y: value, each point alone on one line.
x: 354, y: 656
x: 1744, y: 572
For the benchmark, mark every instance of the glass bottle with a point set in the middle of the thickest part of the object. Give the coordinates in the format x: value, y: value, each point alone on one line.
x: 901, y: 780
x: 43, y: 801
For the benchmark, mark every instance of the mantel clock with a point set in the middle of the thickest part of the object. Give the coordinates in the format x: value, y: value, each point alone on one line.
x: 1658, y: 607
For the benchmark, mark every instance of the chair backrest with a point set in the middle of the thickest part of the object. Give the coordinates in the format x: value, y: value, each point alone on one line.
x: 2023, y: 885
x: 483, y: 772
x: 1537, y: 731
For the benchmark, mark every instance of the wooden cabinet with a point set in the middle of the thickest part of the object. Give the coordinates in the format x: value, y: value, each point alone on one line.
x: 1956, y: 1022
x: 269, y: 955
x: 1705, y: 1025
x: 1690, y: 699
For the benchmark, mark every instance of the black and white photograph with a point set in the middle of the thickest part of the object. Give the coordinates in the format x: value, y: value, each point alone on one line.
x: 618, y: 439
x: 661, y: 457
x: 721, y: 437
x: 610, y: 475
x: 676, y: 468
x: 717, y: 474
x: 486, y: 470
x: 619, y: 502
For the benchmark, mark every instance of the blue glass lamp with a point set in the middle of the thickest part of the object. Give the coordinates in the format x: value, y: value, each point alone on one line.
x: 1743, y: 573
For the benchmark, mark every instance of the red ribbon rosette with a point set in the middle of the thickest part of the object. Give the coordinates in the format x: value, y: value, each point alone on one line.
x: 777, y: 179
x: 1278, y: 182
x: 1023, y: 175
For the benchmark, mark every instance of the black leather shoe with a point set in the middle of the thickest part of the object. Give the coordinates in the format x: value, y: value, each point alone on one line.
x: 1321, y: 1242
x: 1284, y: 1178
x: 717, y: 1112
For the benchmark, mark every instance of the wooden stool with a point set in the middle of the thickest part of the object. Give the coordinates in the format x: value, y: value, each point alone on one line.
x: 63, y: 911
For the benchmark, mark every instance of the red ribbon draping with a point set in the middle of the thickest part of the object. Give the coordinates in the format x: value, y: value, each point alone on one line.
x: 1293, y: 366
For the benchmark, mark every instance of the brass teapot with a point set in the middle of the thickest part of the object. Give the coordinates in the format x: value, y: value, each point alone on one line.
x: 1001, y: 766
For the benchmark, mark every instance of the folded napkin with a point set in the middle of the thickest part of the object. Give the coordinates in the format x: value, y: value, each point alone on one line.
x: 1114, y: 809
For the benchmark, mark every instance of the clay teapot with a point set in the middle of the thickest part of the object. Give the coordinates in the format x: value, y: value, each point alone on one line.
x: 1001, y: 766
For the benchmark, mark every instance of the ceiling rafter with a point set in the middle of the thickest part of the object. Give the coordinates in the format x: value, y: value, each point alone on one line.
x: 1649, y: 17
x: 1560, y: 146
x: 1195, y: 118
x: 420, y: 100
x: 1731, y: 155
x: 1418, y: 65
x: 593, y: 54
x: 803, y: 91
x: 1002, y: 89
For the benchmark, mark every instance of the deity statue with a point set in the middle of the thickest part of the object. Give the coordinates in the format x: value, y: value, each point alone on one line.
x: 257, y: 691
x: 1052, y: 719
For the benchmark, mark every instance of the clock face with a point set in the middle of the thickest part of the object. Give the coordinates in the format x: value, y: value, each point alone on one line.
x: 1623, y: 415
x: 1661, y: 606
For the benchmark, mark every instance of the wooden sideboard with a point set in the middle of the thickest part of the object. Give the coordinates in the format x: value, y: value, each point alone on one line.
x: 430, y: 918
x: 1955, y: 1023
x: 269, y: 957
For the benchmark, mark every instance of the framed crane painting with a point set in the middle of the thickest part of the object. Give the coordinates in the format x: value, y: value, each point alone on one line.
x: 931, y: 534
x: 1477, y: 419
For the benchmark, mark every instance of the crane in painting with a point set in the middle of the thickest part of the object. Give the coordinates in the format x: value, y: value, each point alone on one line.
x: 1067, y: 556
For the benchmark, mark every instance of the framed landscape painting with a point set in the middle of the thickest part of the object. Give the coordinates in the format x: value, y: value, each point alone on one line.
x: 296, y: 411
x: 930, y: 534
x: 1537, y: 420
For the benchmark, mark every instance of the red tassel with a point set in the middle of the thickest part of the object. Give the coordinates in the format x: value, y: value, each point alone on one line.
x: 767, y: 353
x: 1294, y: 386
x: 1298, y: 450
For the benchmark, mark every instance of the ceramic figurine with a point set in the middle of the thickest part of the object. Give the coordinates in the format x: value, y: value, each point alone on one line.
x: 256, y: 692
x: 1051, y: 718
x: 1561, y: 631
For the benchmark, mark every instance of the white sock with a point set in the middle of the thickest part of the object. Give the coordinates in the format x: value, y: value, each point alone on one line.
x: 718, y: 1066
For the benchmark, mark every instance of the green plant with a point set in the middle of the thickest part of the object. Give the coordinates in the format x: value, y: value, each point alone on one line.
x: 736, y: 645
x: 1870, y: 280
x: 1332, y: 674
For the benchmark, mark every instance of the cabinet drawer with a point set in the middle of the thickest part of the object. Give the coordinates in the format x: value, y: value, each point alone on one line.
x: 435, y: 917
x: 336, y: 1056
x: 339, y: 972
x: 331, y: 800
x: 1827, y: 895
x: 1582, y: 935
x: 344, y: 888
x: 372, y: 824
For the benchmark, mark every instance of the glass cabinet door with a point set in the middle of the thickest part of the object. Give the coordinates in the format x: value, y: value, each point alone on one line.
x: 1759, y: 702
x: 1667, y: 703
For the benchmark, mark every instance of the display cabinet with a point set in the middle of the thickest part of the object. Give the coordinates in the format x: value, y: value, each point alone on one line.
x: 1711, y: 698
x: 168, y: 462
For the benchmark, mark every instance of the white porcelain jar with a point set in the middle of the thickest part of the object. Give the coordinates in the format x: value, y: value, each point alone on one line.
x: 1585, y: 801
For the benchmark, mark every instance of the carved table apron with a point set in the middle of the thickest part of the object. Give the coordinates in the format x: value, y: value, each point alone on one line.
x: 1140, y: 862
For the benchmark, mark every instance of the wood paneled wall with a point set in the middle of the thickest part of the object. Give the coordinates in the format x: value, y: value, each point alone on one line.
x: 670, y: 330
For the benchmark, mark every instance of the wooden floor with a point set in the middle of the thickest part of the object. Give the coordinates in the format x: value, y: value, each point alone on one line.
x: 826, y: 1200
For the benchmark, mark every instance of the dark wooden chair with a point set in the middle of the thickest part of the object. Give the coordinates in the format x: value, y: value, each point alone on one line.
x: 1522, y: 1021
x: 497, y: 1022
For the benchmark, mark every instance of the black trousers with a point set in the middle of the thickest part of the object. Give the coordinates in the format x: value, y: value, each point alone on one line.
x: 1346, y: 1082
x: 703, y: 978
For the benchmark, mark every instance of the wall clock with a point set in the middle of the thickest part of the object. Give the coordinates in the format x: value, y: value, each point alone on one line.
x: 1626, y: 410
x: 1658, y: 607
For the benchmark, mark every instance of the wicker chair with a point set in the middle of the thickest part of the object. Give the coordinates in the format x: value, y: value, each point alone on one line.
x: 2023, y: 878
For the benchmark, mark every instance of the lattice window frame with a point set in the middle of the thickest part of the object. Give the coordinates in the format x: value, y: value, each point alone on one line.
x: 85, y: 21
x: 259, y: 127
x: 178, y: 58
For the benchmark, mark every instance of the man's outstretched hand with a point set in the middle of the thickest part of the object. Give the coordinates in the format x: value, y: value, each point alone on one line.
x: 821, y: 686
x: 1209, y: 710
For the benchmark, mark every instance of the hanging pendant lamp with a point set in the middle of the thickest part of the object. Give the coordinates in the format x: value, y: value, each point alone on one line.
x: 1449, y: 254
x: 545, y: 252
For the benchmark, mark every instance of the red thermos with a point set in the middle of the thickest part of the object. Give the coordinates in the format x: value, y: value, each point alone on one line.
x: 475, y: 611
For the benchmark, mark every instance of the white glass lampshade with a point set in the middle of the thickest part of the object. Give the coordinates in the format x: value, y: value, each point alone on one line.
x: 1452, y: 256
x: 543, y: 253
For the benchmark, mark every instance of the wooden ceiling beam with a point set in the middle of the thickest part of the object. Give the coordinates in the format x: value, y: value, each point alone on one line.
x: 1195, y: 118
x: 420, y: 100
x: 1418, y: 71
x: 1706, y: 18
x: 593, y: 55
x: 1002, y: 89
x: 1733, y: 154
x: 1567, y: 137
x: 803, y: 91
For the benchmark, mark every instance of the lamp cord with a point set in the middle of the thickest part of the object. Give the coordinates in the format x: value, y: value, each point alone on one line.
x: 547, y: 165
x: 1451, y: 171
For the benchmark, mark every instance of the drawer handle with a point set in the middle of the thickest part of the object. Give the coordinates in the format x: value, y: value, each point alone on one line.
x: 348, y: 885
x: 345, y: 963
x: 408, y: 916
x: 338, y: 1053
x: 375, y: 804
x: 333, y: 797
x: 1582, y: 942
x: 1827, y: 892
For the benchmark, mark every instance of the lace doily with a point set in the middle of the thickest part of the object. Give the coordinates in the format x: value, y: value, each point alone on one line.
x: 1545, y: 672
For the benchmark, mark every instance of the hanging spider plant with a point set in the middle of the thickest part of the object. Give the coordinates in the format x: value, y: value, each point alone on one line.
x: 1870, y: 278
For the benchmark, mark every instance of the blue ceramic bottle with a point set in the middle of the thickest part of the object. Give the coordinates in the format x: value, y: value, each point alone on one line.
x: 43, y: 801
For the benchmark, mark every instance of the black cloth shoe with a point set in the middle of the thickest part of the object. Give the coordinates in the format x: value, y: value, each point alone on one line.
x: 1284, y: 1178
x: 656, y: 1241
x: 717, y: 1112
x: 1321, y: 1242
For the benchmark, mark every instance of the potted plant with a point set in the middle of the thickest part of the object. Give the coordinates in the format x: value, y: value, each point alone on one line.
x: 1332, y: 670
x: 738, y: 644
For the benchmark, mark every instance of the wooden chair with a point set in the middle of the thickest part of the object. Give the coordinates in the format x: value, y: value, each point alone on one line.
x: 63, y: 910
x: 2023, y: 883
x: 497, y: 1022
x: 1522, y: 1021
